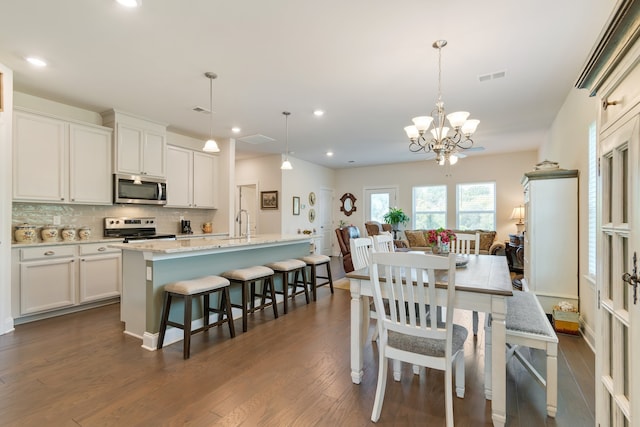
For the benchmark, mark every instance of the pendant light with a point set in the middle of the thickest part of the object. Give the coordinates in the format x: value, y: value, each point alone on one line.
x: 286, y: 165
x: 211, y: 146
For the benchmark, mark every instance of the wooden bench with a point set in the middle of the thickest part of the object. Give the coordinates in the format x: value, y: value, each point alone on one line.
x: 527, y: 325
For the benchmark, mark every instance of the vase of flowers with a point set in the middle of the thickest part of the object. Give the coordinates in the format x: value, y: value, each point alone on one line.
x: 440, y: 240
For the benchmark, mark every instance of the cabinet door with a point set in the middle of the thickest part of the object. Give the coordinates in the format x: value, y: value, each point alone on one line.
x: 179, y: 177
x: 129, y: 150
x: 39, y: 158
x: 100, y: 277
x: 90, y: 165
x: 154, y: 154
x: 204, y: 180
x: 47, y: 285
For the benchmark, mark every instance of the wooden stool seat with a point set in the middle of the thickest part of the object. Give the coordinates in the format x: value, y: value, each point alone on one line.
x: 188, y: 289
x: 247, y: 278
x: 286, y: 267
x: 313, y: 262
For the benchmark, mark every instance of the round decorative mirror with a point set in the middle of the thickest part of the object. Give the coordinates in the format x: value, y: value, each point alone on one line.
x: 348, y: 203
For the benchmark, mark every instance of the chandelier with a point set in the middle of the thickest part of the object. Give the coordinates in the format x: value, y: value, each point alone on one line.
x: 438, y: 141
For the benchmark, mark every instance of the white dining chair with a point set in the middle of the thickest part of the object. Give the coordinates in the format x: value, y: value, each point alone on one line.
x: 463, y: 246
x: 360, y: 251
x: 383, y: 242
x: 406, y: 333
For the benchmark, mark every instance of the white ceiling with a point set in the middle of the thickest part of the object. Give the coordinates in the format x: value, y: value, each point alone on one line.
x: 368, y: 63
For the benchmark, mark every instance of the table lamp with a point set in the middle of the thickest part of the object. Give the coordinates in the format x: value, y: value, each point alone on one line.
x: 518, y: 213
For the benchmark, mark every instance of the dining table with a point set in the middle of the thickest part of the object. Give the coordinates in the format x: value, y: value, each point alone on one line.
x: 482, y: 284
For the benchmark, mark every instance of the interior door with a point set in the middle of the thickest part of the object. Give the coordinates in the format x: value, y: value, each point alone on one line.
x: 378, y: 201
x: 325, y: 198
x: 617, y: 346
x: 247, y: 200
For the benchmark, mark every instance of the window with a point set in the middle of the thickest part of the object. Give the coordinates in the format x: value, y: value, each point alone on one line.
x: 592, y: 199
x: 476, y: 206
x: 430, y: 207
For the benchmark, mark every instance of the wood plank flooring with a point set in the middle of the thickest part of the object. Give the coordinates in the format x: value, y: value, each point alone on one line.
x: 81, y: 370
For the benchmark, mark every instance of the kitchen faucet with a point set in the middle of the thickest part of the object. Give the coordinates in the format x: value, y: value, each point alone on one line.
x: 239, y: 220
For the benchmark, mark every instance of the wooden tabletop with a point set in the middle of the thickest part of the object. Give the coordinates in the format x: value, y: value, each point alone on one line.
x: 487, y: 274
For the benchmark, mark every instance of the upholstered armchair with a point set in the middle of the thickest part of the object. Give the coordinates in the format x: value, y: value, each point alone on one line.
x: 374, y: 228
x: 344, y: 235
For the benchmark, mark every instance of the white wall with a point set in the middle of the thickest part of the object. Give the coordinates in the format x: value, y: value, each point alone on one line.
x: 265, y: 172
x: 568, y: 144
x: 6, y: 321
x: 506, y: 170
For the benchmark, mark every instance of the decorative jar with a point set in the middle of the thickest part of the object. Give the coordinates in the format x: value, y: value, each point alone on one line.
x: 69, y: 233
x: 49, y: 233
x: 84, y: 233
x: 25, y: 233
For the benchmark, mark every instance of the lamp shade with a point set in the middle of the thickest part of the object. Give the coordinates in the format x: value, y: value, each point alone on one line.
x: 518, y: 213
x: 211, y: 146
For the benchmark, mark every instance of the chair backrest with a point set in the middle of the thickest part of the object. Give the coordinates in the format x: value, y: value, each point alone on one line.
x: 383, y: 242
x: 409, y: 314
x: 344, y: 235
x: 463, y: 243
x: 360, y: 252
x: 374, y: 228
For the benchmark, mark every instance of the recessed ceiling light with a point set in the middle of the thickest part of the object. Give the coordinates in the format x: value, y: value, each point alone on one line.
x: 235, y: 129
x: 36, y: 61
x: 129, y: 3
x: 329, y: 153
x: 318, y: 113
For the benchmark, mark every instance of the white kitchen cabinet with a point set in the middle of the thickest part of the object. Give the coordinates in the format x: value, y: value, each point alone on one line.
x: 551, y: 235
x: 50, y: 280
x: 47, y: 278
x: 58, y: 161
x: 191, y: 179
x: 140, y: 144
x: 100, y: 273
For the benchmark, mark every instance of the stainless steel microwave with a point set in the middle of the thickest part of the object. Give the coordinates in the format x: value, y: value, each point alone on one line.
x: 139, y: 190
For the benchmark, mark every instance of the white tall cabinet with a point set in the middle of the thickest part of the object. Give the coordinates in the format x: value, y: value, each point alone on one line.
x: 192, y: 178
x: 551, y: 235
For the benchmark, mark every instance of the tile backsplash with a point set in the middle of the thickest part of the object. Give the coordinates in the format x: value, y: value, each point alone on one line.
x: 167, y: 219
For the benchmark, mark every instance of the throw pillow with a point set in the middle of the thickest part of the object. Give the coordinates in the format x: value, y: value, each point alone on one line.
x: 486, y: 240
x: 415, y: 238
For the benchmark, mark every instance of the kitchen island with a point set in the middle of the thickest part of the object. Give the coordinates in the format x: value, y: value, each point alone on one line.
x: 148, y: 266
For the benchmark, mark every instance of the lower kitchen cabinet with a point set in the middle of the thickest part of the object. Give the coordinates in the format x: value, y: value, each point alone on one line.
x: 100, y: 272
x: 57, y: 279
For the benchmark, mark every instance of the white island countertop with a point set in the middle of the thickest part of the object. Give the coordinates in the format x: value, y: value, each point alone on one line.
x: 207, y: 244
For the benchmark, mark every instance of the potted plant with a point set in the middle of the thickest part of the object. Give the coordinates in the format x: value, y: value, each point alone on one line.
x: 394, y: 217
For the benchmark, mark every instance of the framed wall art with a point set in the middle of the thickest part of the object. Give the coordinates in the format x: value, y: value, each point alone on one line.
x: 269, y: 200
x: 296, y: 205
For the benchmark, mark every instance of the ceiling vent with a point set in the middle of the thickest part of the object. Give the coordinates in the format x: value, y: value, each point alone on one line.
x: 199, y: 109
x: 492, y: 76
x: 256, y: 139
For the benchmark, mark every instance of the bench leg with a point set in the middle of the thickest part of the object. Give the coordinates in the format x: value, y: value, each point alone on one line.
x: 552, y: 379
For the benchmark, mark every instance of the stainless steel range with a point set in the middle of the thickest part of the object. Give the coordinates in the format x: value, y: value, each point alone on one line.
x: 134, y: 229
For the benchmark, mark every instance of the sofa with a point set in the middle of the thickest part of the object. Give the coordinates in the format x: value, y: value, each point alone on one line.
x: 489, y: 245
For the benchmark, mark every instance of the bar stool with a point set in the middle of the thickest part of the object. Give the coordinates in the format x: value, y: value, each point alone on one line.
x: 285, y: 268
x: 313, y: 262
x: 247, y: 278
x: 188, y: 289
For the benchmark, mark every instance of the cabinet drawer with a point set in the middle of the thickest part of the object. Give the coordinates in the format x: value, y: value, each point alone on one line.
x: 47, y: 252
x: 97, y: 249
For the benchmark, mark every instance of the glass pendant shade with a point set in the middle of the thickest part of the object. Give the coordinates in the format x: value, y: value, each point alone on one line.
x: 436, y: 132
x: 412, y: 132
x: 457, y: 119
x: 286, y: 165
x: 211, y: 146
x: 469, y: 127
x: 422, y: 123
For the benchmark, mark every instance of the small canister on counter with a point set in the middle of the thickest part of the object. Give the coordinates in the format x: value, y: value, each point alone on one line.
x: 25, y: 233
x: 84, y: 233
x: 49, y: 233
x: 69, y: 233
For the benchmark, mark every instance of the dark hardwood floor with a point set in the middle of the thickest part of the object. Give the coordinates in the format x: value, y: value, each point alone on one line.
x: 80, y: 369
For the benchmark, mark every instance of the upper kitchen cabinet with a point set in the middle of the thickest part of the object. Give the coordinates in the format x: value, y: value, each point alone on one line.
x: 59, y: 161
x: 191, y: 179
x: 140, y: 144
